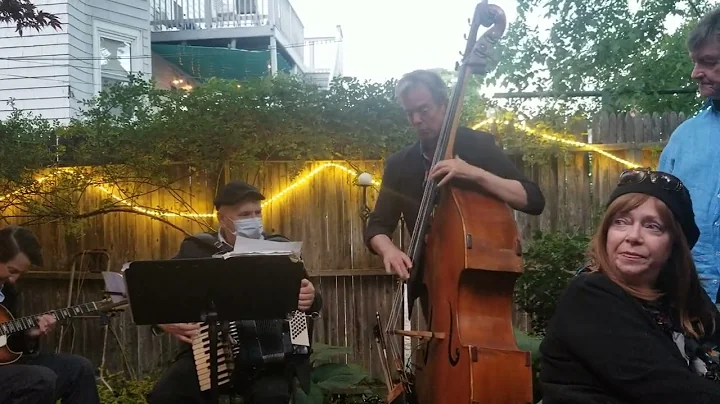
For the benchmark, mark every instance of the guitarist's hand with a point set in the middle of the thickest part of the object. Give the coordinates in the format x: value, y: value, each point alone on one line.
x: 307, y: 295
x: 185, y: 332
x: 45, y: 324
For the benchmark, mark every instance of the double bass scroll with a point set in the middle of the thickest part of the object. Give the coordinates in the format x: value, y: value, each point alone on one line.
x: 466, y: 257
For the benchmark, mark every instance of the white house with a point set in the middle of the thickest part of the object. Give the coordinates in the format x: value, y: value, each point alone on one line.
x: 49, y: 72
x: 179, y: 42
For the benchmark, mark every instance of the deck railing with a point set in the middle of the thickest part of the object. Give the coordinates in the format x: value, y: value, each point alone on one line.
x: 176, y: 15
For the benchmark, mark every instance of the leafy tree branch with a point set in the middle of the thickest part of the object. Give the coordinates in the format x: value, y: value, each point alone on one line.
x: 618, y: 47
x: 25, y: 15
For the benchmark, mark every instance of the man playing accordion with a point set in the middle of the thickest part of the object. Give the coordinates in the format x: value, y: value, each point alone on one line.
x: 259, y: 381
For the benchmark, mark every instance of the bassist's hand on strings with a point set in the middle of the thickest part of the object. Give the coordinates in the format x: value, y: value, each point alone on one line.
x: 397, y: 261
x: 185, y: 332
x: 453, y: 168
x: 45, y: 325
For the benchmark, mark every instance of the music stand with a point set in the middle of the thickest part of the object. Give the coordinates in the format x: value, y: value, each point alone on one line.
x: 209, y: 290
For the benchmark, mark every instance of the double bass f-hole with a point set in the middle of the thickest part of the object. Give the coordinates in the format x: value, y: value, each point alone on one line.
x: 452, y: 359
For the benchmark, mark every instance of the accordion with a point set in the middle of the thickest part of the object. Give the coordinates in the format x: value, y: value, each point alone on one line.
x: 250, y: 344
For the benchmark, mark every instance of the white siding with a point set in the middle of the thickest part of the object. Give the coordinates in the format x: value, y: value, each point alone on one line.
x: 65, y: 66
x: 27, y: 71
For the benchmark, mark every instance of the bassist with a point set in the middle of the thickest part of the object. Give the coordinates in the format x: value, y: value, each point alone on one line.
x: 41, y: 378
x: 480, y: 164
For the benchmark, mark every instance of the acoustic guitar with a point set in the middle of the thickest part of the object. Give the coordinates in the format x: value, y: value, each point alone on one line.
x: 10, y: 325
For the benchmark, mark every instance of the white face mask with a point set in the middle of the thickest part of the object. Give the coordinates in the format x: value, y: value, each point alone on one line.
x: 249, y: 227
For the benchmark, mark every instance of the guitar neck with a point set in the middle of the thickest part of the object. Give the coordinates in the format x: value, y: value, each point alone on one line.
x: 26, y: 323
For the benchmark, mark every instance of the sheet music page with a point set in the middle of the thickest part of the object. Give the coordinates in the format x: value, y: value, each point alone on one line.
x: 250, y: 246
x: 114, y: 283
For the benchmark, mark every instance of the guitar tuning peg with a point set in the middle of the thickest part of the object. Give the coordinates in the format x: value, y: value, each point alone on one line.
x: 461, y: 54
x: 469, y: 22
x: 457, y: 66
x: 465, y: 36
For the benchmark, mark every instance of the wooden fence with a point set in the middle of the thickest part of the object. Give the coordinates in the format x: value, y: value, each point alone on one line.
x: 577, y: 183
x: 324, y: 212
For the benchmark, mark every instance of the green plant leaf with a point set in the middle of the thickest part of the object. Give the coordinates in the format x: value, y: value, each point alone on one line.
x: 550, y: 261
x: 528, y: 343
x: 323, y: 353
x: 333, y: 376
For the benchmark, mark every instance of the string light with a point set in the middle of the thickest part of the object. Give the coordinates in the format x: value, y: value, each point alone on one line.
x: 309, y: 175
x: 155, y: 212
x: 37, y: 181
x: 555, y: 138
x: 305, y: 178
x: 152, y: 212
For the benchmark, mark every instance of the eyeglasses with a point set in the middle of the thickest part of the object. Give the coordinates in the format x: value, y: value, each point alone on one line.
x: 638, y: 175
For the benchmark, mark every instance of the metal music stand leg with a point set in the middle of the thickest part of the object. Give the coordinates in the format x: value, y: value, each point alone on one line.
x: 211, y: 319
x: 101, y: 369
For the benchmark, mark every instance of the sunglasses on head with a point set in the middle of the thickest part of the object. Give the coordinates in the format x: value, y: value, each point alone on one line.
x: 638, y: 175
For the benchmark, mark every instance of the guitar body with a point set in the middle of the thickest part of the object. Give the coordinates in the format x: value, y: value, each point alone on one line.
x: 7, y: 355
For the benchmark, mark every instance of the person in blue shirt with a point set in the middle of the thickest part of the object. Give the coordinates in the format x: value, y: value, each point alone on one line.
x: 693, y: 151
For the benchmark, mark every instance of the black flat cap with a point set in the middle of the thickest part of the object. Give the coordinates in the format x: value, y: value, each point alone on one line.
x: 236, y: 191
x: 676, y: 198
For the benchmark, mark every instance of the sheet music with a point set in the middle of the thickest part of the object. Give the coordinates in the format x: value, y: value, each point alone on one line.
x: 115, y: 285
x: 249, y: 246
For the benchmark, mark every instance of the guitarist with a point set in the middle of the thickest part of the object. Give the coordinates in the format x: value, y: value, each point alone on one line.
x: 37, y: 377
x: 240, y: 214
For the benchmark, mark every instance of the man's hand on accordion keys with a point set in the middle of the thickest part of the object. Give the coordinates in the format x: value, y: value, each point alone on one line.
x: 185, y: 332
x: 307, y: 295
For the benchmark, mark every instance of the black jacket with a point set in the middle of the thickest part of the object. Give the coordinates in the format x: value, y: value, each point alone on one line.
x: 18, y: 342
x: 404, y: 177
x: 602, y: 346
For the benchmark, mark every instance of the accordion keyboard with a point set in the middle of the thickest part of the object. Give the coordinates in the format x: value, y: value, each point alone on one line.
x: 239, y: 347
x: 225, y: 355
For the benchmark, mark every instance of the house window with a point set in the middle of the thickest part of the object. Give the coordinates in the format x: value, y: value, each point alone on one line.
x: 118, y: 53
x: 116, y: 61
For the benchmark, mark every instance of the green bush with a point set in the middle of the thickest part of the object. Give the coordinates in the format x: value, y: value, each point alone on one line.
x: 549, y: 262
x: 125, y: 390
x: 329, y: 377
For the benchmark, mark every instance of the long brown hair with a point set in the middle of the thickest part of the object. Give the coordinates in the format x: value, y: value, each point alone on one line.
x: 678, y: 279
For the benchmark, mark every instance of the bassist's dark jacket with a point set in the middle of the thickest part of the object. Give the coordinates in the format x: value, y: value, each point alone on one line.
x: 205, y: 245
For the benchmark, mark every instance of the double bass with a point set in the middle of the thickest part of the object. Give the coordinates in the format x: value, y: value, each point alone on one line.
x: 466, y: 256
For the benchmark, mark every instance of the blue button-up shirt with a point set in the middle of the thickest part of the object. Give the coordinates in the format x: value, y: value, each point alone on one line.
x: 693, y: 155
